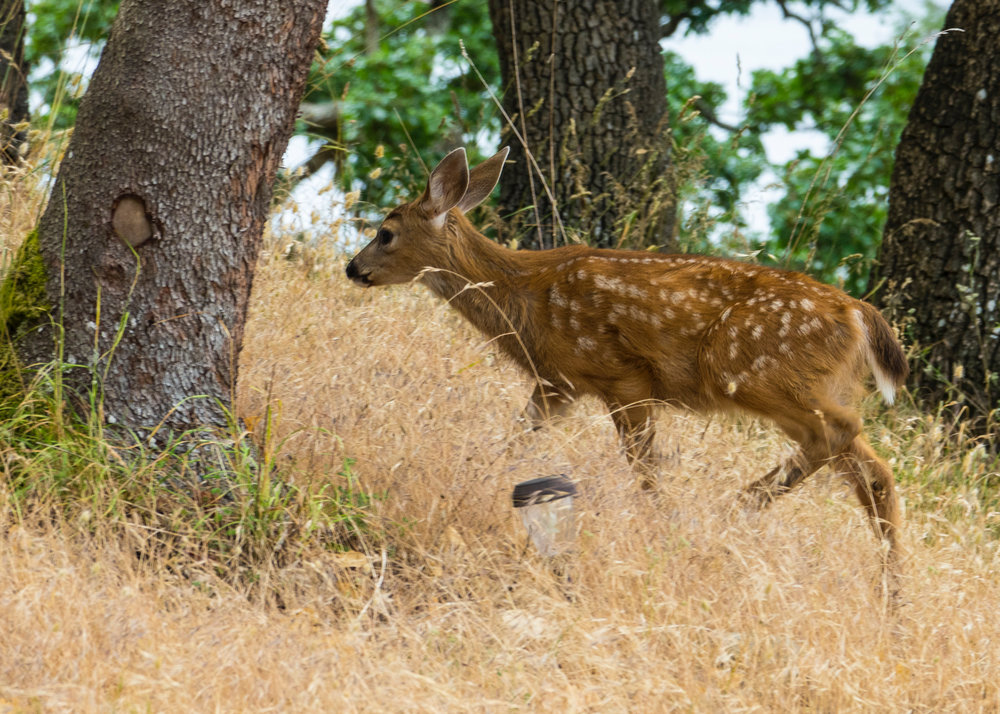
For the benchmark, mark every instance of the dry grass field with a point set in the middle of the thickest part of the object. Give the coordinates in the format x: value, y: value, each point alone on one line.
x: 672, y: 600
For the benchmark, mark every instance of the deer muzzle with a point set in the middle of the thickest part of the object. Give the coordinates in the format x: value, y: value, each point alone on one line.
x: 356, y: 275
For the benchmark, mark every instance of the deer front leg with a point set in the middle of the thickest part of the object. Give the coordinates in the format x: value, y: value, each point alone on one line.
x: 637, y: 429
x: 547, y: 402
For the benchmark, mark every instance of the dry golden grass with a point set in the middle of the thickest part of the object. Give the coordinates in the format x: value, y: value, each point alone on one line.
x: 672, y: 601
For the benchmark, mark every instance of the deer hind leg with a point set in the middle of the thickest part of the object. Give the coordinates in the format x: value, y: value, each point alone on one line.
x: 637, y: 429
x: 822, y: 434
x: 876, y: 489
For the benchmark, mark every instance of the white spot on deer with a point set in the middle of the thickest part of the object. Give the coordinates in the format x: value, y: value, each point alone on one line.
x: 792, y: 304
x: 785, y: 348
x: 813, y: 325
x: 611, y: 284
x: 574, y: 323
x: 807, y: 304
x: 733, y: 331
x: 636, y: 292
x: 556, y: 297
x: 777, y: 305
x: 758, y: 330
x: 733, y: 350
x: 587, y: 344
x: 581, y: 274
x: 760, y: 363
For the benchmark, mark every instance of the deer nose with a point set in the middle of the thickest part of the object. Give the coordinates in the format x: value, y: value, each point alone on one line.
x: 356, y: 275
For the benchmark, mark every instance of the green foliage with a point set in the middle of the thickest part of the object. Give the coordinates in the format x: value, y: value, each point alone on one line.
x: 23, y: 302
x: 829, y: 222
x: 697, y: 15
x: 353, y: 503
x: 201, y: 500
x: 415, y: 84
x: 53, y: 26
x: 713, y: 171
x: 950, y: 470
x: 412, y: 96
x: 22, y: 293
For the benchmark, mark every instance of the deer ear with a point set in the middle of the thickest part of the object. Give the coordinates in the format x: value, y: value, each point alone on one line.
x: 446, y: 185
x: 482, y: 179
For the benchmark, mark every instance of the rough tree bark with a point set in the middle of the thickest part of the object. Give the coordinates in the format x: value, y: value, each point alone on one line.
x: 13, y: 83
x: 938, y: 272
x: 154, y: 224
x: 584, y: 83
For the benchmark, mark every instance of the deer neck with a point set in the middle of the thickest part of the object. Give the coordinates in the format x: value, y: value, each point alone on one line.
x: 484, y: 281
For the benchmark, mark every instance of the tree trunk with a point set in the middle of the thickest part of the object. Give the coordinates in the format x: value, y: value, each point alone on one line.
x: 938, y: 272
x: 152, y: 231
x: 584, y: 84
x: 13, y: 83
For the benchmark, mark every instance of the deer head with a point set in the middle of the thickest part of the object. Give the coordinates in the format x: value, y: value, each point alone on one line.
x: 412, y: 237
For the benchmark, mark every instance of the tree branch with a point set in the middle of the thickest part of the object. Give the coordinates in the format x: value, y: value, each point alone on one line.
x: 324, y: 117
x: 708, y: 111
x: 668, y: 28
x: 323, y: 120
x: 806, y: 22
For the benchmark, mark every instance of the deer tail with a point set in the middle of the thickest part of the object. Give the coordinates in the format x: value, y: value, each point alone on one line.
x: 884, y: 353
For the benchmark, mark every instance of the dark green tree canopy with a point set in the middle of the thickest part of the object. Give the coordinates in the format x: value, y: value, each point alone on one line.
x: 399, y: 83
x: 697, y: 15
x: 54, y: 26
x: 829, y: 221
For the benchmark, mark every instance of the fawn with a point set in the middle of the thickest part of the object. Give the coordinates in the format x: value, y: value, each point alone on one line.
x: 638, y: 329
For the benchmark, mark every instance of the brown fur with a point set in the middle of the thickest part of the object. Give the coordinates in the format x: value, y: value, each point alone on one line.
x: 639, y: 329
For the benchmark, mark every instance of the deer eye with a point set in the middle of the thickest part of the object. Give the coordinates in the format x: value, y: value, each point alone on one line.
x: 384, y: 237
